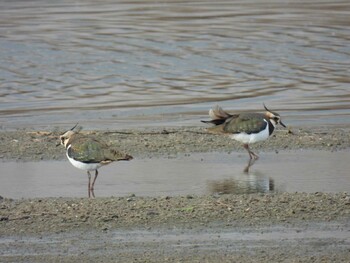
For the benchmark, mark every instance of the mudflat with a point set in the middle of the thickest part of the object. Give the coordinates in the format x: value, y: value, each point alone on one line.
x: 269, y: 227
x: 31, y: 145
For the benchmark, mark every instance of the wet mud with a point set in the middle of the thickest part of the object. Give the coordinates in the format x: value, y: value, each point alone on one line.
x: 220, y: 227
x: 265, y: 227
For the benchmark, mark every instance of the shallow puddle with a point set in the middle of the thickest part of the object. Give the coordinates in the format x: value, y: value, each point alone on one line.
x: 202, y: 173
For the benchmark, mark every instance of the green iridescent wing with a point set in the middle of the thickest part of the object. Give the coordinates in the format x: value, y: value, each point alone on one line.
x: 246, y: 122
x: 86, y: 150
x: 90, y: 150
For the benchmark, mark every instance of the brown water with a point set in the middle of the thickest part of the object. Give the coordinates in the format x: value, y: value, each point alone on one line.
x: 209, y: 173
x: 120, y: 64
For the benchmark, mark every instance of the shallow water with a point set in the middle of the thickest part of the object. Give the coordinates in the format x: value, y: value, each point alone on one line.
x: 121, y: 64
x: 209, y: 173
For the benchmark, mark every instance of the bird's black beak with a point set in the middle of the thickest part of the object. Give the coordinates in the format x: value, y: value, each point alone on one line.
x: 58, y: 144
x: 283, y: 124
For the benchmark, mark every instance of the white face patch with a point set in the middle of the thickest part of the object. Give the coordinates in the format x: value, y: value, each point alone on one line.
x: 273, y: 122
x: 274, y: 119
x: 65, y: 137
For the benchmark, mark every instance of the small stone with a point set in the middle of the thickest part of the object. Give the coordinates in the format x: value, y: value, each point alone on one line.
x: 152, y: 213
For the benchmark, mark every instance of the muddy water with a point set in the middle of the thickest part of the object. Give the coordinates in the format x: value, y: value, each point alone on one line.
x: 210, y: 173
x: 112, y: 64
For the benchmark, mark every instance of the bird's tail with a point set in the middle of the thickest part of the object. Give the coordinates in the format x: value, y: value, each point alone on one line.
x: 120, y: 156
x: 127, y: 157
x: 218, y: 116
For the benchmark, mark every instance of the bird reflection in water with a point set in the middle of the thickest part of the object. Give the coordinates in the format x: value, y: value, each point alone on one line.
x: 250, y: 164
x: 246, y: 184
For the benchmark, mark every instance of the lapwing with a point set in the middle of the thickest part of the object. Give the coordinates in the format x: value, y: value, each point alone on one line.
x: 244, y: 127
x: 88, y: 153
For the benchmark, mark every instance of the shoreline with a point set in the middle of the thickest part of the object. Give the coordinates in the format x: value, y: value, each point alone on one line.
x: 24, y: 145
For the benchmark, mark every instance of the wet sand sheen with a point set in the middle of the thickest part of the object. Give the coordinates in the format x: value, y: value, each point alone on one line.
x: 199, y: 174
x: 166, y: 243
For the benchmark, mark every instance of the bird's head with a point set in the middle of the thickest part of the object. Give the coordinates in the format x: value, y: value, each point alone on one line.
x: 274, y: 117
x: 65, y: 137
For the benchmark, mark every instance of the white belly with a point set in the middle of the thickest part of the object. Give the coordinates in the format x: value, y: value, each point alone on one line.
x: 253, y: 137
x: 84, y: 166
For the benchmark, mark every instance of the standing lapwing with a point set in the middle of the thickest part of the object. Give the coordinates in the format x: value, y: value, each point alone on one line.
x: 244, y: 127
x: 87, y: 153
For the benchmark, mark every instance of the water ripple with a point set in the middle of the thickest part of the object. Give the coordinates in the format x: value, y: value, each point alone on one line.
x: 114, y: 63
